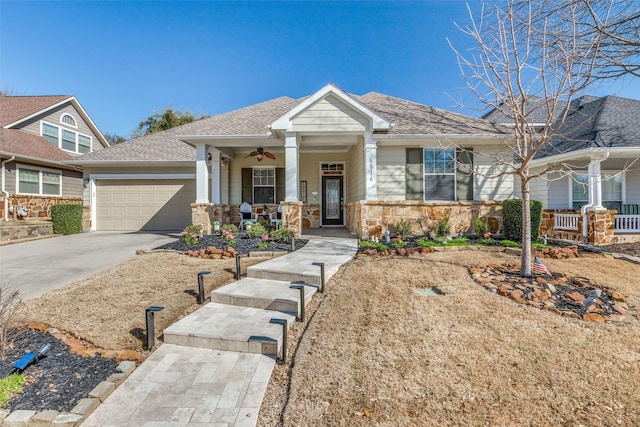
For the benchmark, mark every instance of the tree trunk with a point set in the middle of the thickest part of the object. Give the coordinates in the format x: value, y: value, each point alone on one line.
x: 525, y: 260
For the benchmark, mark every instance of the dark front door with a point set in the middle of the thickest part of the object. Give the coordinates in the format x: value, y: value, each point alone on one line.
x: 332, y: 212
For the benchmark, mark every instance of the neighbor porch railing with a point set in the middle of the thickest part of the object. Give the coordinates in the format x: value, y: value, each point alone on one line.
x: 627, y: 224
x: 566, y: 221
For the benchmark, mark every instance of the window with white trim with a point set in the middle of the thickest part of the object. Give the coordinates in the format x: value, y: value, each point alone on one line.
x: 439, y: 173
x: 611, y: 190
x: 66, y: 139
x: 68, y: 120
x: 41, y: 182
x: 264, y: 185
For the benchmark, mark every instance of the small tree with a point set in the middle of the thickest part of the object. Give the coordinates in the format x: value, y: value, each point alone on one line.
x: 519, y: 56
x: 10, y: 309
x: 168, y: 119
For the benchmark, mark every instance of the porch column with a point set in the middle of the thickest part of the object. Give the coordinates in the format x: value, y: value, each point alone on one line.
x: 370, y: 167
x: 202, y: 173
x: 215, y: 177
x: 595, y: 184
x: 291, y: 166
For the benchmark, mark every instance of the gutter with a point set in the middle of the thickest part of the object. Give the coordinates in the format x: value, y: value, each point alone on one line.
x: 6, y: 193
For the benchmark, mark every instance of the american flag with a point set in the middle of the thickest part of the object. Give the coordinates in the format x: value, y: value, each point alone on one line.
x: 540, y: 268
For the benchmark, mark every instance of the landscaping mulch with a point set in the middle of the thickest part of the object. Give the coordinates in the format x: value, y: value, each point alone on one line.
x: 58, y: 380
x: 243, y: 245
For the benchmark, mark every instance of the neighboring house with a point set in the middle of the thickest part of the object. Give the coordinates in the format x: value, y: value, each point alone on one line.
x: 38, y: 134
x: 599, y: 138
x: 332, y: 159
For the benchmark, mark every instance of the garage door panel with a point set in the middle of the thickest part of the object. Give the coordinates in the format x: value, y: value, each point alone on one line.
x: 149, y: 205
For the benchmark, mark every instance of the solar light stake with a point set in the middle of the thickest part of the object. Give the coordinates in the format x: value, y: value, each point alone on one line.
x: 238, y: 273
x: 201, y: 286
x: 321, y: 265
x: 293, y: 243
x: 300, y: 287
x: 150, y: 327
x: 282, y: 322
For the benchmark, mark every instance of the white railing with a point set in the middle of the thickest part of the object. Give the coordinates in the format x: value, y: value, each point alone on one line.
x: 566, y: 221
x: 627, y: 224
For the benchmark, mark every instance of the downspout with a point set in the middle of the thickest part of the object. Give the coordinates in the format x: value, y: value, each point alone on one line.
x: 6, y: 193
x: 593, y: 200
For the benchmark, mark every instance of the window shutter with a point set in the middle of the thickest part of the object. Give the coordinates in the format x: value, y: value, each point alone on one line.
x: 464, y: 175
x: 247, y: 185
x: 281, y: 185
x: 414, y: 176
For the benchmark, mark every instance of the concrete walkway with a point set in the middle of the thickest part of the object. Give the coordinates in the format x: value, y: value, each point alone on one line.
x: 215, y: 364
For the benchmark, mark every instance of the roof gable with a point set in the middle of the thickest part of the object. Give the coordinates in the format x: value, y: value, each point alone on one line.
x: 333, y: 96
x: 25, y: 145
x: 14, y: 109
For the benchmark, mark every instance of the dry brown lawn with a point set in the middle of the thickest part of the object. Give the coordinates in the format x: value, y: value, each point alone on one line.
x: 378, y: 353
x: 107, y: 310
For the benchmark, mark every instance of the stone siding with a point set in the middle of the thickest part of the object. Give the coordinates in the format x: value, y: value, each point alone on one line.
x: 37, y: 206
x: 204, y: 214
x: 373, y: 218
x: 601, y: 228
x: 311, y: 215
x: 16, y: 230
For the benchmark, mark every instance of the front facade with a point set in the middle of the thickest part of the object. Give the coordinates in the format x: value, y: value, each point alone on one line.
x: 330, y: 159
x: 37, y: 135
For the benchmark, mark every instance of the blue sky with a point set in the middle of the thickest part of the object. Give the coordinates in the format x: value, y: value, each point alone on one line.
x: 127, y: 60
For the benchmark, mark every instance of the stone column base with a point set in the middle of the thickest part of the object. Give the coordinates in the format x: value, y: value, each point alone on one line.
x: 292, y: 217
x: 201, y: 215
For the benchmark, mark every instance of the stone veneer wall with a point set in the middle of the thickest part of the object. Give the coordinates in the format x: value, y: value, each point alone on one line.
x: 38, y: 206
x: 204, y: 214
x: 311, y: 215
x: 373, y: 218
x: 546, y: 226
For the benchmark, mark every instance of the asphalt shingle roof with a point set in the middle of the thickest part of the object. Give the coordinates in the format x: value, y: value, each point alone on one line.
x: 409, y: 118
x: 22, y: 144
x: 13, y: 108
x: 536, y: 112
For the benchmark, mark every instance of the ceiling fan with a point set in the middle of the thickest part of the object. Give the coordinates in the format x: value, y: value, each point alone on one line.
x: 260, y: 153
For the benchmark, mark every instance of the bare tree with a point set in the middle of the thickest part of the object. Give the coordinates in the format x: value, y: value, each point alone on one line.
x: 519, y: 57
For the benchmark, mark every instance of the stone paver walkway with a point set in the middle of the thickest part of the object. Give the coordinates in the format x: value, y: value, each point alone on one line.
x: 193, y: 378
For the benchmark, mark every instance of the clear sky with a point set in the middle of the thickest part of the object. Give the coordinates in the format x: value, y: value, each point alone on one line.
x: 127, y: 60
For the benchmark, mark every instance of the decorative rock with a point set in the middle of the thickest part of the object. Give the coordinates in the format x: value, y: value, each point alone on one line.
x: 534, y: 304
x: 571, y: 314
x: 541, y: 280
x: 551, y: 288
x: 580, y: 282
x: 575, y: 296
x: 616, y: 296
x: 618, y: 309
x: 593, y: 317
x: 614, y: 318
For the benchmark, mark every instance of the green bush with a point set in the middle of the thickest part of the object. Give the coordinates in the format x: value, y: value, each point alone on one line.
x: 67, y: 218
x: 191, y: 234
x: 229, y: 232
x: 443, y: 228
x: 426, y: 243
x: 481, y: 227
x: 366, y: 244
x: 403, y: 228
x: 509, y: 243
x: 282, y: 235
x: 512, y: 219
x: 257, y: 231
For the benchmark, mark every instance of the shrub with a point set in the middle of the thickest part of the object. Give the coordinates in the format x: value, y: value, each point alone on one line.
x: 458, y: 241
x: 67, y: 218
x: 481, y: 227
x: 283, y: 235
x: 257, y: 231
x: 366, y: 244
x: 229, y: 233
x: 443, y: 227
x: 487, y: 241
x: 512, y: 218
x: 191, y: 234
x: 509, y: 243
x: 10, y: 309
x: 398, y: 242
x: 403, y: 228
x: 426, y: 243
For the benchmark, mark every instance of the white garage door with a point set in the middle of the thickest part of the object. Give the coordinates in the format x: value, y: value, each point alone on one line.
x: 148, y: 205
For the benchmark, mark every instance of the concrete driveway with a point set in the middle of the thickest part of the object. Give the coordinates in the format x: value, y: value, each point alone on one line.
x: 38, y: 266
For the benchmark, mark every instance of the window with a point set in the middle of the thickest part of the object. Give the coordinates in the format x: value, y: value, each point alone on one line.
x: 439, y: 174
x: 68, y: 140
x: 611, y: 190
x: 68, y: 120
x: 39, y: 182
x: 264, y: 185
x: 50, y: 133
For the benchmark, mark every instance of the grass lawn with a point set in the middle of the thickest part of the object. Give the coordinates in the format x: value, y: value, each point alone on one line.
x: 376, y: 352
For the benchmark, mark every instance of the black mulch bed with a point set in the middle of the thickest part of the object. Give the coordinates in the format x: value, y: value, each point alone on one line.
x: 243, y: 245
x: 58, y: 380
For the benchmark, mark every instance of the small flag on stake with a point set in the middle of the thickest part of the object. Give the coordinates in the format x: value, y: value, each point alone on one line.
x: 540, y: 268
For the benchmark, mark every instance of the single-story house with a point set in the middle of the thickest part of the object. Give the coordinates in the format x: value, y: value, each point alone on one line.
x: 594, y: 160
x: 38, y: 134
x: 364, y: 162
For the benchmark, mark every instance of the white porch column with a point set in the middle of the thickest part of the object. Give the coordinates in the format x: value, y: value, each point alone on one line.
x: 215, y: 177
x: 595, y: 185
x: 370, y: 167
x: 291, y: 166
x: 202, y: 173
